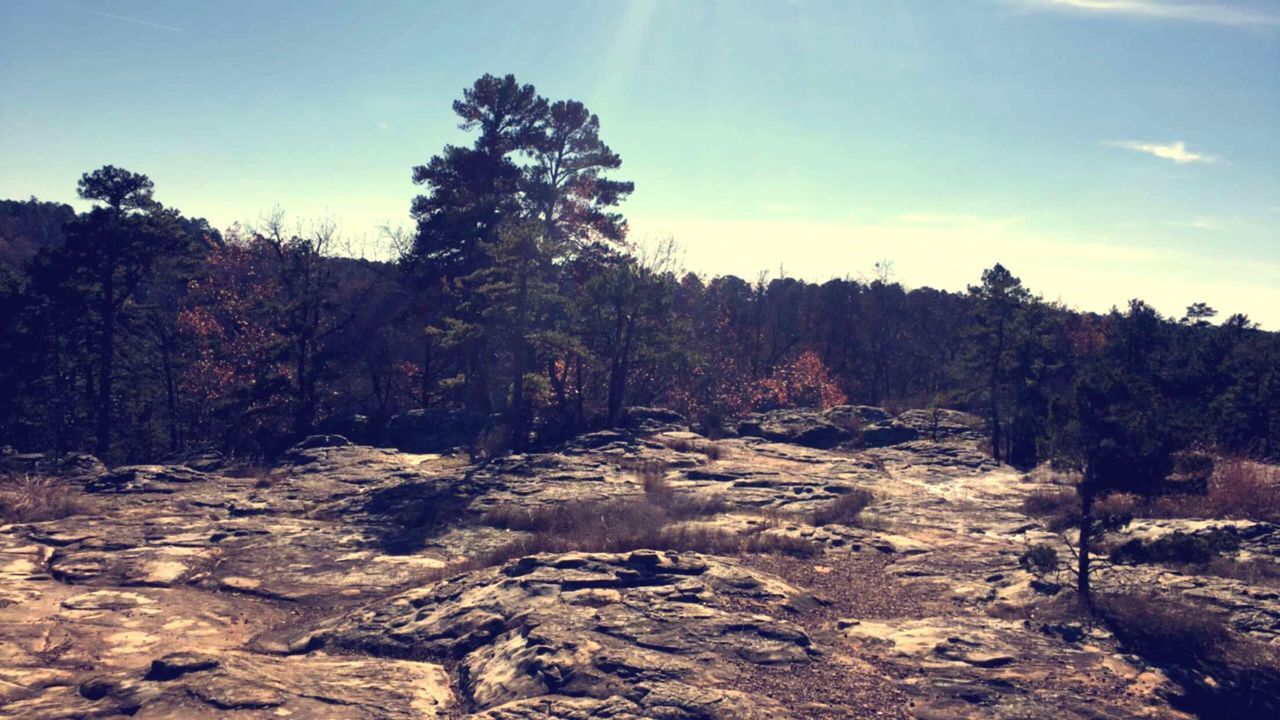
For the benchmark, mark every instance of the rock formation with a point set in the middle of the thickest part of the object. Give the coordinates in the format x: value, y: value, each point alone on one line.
x: 358, y: 582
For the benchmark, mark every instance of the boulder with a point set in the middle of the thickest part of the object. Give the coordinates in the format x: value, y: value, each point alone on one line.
x: 322, y: 441
x: 856, y: 416
x: 649, y: 419
x: 941, y: 424
x: 433, y: 430
x: 809, y: 428
x: 202, y: 459
x: 74, y: 465
x: 163, y: 479
x: 886, y: 434
x: 355, y: 427
x: 935, y: 425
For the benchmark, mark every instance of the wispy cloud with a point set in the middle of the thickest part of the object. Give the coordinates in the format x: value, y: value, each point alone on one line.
x: 1200, y: 223
x: 122, y: 18
x: 1176, y: 151
x: 1215, y: 13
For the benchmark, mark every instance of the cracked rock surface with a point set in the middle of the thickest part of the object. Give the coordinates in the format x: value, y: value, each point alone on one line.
x: 343, y: 584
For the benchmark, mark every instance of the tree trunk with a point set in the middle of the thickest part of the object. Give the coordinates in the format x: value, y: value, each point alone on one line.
x: 106, y: 361
x: 617, y: 370
x: 478, y: 400
x: 302, y: 419
x: 171, y: 394
x: 520, y: 363
x: 995, y: 393
x: 1086, y: 529
x: 425, y: 385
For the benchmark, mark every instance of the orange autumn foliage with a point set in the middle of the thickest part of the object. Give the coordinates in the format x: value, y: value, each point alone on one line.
x: 805, y: 381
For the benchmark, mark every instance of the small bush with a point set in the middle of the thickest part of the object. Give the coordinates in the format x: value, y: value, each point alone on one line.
x: 1252, y: 572
x: 1163, y: 629
x: 1177, y: 547
x: 1039, y: 560
x: 1226, y: 675
x: 1238, y: 489
x: 845, y: 510
x: 36, y: 499
x: 1060, y: 510
x: 658, y: 490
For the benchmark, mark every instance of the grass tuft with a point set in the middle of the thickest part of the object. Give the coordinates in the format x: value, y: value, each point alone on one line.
x: 33, y: 498
x: 845, y: 510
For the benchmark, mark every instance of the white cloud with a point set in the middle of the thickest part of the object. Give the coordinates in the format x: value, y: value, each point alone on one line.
x: 1200, y: 223
x: 1176, y: 151
x: 1214, y: 13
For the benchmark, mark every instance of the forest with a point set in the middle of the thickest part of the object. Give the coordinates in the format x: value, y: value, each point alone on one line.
x: 519, y: 310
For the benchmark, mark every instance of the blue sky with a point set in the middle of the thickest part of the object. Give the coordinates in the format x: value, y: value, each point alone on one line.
x: 1102, y: 149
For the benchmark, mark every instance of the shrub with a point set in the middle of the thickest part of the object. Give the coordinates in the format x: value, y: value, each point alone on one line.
x: 804, y: 381
x: 845, y: 510
x: 29, y: 498
x: 658, y: 490
x: 1060, y: 510
x: 1225, y: 675
x: 1163, y: 629
x: 1252, y: 572
x: 1177, y: 547
x: 1238, y: 489
x: 1039, y: 560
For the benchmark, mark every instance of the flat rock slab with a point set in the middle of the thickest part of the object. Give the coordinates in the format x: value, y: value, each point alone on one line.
x: 647, y: 629
x: 315, y: 589
x: 977, y: 667
x: 242, y: 685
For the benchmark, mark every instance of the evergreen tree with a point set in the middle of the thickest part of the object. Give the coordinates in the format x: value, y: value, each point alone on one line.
x: 997, y: 306
x: 109, y: 252
x: 1114, y: 428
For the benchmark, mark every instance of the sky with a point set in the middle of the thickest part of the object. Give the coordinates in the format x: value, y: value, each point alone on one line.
x: 1100, y: 149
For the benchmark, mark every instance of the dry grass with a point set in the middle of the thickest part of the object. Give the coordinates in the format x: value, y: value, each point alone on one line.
x: 263, y: 476
x: 1163, y: 629
x: 30, y: 498
x: 656, y: 521
x: 845, y: 510
x: 642, y: 467
x: 1060, y: 509
x: 268, y: 478
x: 1239, y: 489
x: 1250, y: 572
x: 1227, y: 675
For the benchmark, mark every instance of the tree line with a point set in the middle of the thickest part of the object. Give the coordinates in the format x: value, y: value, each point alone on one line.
x: 518, y: 305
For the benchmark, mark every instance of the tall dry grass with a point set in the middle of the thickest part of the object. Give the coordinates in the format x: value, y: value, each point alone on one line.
x: 34, y: 498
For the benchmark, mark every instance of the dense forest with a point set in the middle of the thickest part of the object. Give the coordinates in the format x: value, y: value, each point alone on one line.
x: 519, y: 310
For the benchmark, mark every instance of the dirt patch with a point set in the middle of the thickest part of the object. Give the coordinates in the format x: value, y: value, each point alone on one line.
x: 853, y: 586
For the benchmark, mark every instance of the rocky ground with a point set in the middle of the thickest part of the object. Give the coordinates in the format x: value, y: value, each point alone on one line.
x: 345, y: 584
